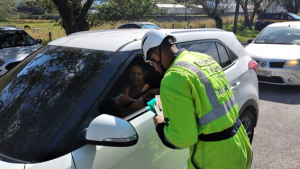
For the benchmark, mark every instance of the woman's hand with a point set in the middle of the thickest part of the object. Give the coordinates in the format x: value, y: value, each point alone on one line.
x: 150, y: 94
x: 125, y: 99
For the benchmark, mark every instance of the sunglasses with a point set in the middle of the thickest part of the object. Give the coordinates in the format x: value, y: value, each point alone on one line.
x: 150, y: 60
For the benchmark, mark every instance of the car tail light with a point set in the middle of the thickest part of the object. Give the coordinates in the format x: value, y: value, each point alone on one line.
x: 253, y: 65
x: 257, y: 20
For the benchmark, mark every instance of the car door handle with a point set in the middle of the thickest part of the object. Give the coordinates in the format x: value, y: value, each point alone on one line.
x: 235, y: 85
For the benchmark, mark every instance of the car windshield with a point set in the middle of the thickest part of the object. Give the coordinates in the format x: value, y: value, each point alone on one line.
x: 39, y: 94
x: 14, y: 38
x: 294, y: 16
x: 148, y: 26
x: 279, y: 35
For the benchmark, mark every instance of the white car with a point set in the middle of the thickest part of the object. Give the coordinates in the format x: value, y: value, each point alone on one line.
x: 15, y: 45
x: 56, y: 108
x: 276, y: 50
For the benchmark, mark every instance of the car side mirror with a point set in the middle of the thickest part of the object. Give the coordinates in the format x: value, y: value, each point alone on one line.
x: 39, y: 41
x: 107, y: 130
x: 250, y: 40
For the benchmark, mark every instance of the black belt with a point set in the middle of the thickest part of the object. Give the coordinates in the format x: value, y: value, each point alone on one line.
x: 223, y: 135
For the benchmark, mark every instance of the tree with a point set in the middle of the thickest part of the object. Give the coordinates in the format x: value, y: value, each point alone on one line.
x: 291, y: 5
x: 127, y: 10
x: 212, y: 10
x: 256, y: 5
x: 74, y: 13
x: 186, y: 6
x: 236, y: 15
x: 265, y: 5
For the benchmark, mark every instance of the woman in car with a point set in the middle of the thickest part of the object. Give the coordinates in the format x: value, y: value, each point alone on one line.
x: 132, y: 97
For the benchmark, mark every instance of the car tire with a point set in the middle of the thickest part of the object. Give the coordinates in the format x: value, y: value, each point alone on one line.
x: 248, y: 123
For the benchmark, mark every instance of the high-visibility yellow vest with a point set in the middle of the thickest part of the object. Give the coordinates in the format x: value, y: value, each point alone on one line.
x: 197, y: 99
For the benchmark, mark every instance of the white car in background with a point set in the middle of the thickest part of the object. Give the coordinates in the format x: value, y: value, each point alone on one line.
x: 56, y: 108
x: 15, y: 45
x: 277, y: 51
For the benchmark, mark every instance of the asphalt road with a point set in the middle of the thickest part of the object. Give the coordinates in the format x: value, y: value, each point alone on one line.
x: 276, y: 143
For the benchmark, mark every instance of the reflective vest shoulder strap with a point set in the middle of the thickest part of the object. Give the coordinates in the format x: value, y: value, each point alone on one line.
x: 218, y: 110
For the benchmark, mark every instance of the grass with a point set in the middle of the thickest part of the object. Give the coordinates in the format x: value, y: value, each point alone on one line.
x: 242, y: 34
x: 46, y: 26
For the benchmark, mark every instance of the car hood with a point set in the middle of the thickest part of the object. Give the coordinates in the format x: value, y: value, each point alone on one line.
x: 273, y: 51
x: 17, y: 53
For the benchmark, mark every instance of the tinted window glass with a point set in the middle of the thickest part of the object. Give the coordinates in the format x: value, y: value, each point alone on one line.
x: 275, y: 16
x: 225, y: 61
x: 263, y: 16
x: 39, y: 95
x: 208, y: 48
x: 13, y: 38
x: 284, y: 17
x: 121, y: 27
x: 126, y: 96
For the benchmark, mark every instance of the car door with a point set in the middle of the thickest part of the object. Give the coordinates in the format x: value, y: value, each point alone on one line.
x: 226, y: 59
x: 64, y: 162
x: 10, y: 165
x: 149, y: 152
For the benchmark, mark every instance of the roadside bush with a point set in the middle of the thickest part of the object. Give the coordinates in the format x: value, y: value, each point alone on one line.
x: 153, y: 21
x: 3, y: 19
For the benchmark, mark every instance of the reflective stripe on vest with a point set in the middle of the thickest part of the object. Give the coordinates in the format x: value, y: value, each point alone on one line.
x: 218, y: 110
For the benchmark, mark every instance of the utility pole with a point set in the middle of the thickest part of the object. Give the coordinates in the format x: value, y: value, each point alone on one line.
x: 236, y: 16
x: 185, y: 9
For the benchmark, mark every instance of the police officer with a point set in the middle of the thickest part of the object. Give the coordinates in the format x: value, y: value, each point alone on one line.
x: 198, y: 106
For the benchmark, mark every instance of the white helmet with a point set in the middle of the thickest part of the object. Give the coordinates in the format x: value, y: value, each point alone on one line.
x: 154, y: 38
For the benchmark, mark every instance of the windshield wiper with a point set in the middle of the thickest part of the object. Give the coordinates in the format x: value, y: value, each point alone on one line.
x: 286, y: 43
x: 277, y: 43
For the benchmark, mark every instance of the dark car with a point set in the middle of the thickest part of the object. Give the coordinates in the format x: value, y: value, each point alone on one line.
x: 139, y: 25
x: 266, y: 19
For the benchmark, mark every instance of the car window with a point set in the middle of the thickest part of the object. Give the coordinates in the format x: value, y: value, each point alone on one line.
x: 284, y: 17
x: 279, y: 35
x: 224, y: 58
x: 14, y: 38
x: 264, y: 16
x: 149, y: 26
x: 290, y: 18
x: 275, y: 16
x: 39, y: 95
x: 294, y: 16
x: 208, y: 48
x: 127, y: 94
x: 122, y: 26
x: 132, y: 26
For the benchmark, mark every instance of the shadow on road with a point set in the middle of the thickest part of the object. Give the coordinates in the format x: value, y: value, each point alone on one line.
x: 280, y: 94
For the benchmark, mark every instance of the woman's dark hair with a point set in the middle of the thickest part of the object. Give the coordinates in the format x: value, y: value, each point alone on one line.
x: 138, y: 62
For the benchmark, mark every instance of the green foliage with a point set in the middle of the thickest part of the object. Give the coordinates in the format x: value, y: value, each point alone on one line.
x: 153, y: 21
x: 7, y: 8
x: 48, y: 5
x: 127, y: 10
x: 166, y: 1
x: 243, y: 33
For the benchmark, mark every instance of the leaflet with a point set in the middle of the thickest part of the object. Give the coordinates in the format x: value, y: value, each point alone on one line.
x: 158, y: 106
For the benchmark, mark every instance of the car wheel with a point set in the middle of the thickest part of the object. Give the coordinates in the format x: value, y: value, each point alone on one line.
x: 248, y: 122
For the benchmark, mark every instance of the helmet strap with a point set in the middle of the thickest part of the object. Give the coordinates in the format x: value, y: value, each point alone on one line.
x: 160, y: 58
